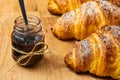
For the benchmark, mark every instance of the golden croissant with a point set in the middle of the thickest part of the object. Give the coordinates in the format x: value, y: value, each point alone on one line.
x: 99, y: 53
x: 83, y: 21
x: 62, y: 6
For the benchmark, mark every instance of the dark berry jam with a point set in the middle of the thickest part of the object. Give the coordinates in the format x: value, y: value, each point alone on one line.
x: 25, y: 40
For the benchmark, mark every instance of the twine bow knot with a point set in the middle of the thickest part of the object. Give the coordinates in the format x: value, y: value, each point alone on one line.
x: 30, y: 54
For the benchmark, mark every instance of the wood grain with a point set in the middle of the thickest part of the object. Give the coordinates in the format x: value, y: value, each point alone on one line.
x: 52, y: 67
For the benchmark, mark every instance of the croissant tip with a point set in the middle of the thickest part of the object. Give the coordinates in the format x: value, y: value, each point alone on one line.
x: 68, y: 60
x: 53, y: 10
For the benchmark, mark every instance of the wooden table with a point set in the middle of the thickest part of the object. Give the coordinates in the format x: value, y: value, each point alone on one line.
x: 52, y: 67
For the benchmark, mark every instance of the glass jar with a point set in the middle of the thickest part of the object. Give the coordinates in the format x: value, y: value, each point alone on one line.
x: 24, y: 39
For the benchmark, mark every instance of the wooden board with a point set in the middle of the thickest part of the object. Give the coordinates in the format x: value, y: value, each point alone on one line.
x: 52, y: 67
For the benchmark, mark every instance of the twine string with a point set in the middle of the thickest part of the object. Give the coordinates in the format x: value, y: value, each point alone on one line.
x: 28, y: 55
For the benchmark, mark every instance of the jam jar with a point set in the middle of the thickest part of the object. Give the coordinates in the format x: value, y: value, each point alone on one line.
x: 25, y: 38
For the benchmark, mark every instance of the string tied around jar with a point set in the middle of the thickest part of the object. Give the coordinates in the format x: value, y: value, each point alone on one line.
x: 28, y: 55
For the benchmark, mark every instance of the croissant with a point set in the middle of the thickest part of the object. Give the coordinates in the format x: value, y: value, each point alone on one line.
x: 62, y: 6
x: 99, y: 53
x: 83, y: 21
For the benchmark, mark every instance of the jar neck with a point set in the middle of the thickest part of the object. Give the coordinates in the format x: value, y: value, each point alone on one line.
x: 34, y: 25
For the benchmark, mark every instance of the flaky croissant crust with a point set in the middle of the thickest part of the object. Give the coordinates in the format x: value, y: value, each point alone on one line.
x: 63, y: 6
x: 99, y: 53
x: 85, y: 20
